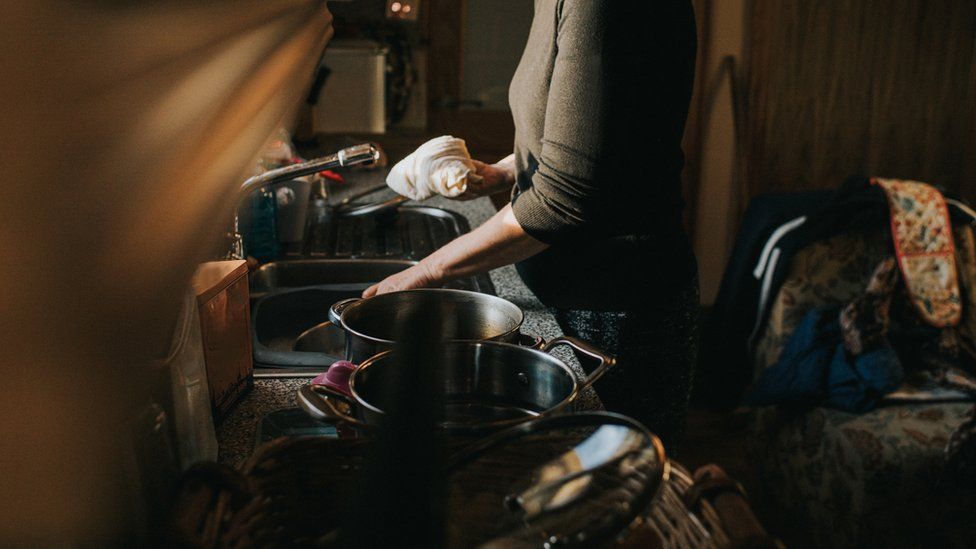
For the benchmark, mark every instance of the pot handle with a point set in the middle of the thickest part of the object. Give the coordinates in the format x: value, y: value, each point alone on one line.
x: 606, y: 361
x: 530, y: 341
x: 335, y: 311
x: 316, y: 400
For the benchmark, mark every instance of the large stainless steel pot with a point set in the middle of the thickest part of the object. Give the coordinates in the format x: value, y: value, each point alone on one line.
x: 486, y: 385
x: 372, y: 324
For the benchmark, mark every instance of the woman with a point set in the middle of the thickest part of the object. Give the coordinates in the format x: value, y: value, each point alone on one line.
x: 599, y: 100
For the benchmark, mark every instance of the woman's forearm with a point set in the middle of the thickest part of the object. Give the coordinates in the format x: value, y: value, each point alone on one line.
x: 499, y: 241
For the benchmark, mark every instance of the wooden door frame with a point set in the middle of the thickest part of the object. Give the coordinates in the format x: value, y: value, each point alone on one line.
x: 443, y: 31
x: 692, y: 142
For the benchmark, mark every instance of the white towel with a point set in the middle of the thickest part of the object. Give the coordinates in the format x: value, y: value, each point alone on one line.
x: 439, y: 166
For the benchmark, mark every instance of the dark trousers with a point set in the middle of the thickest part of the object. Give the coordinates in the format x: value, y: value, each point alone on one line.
x: 656, y: 349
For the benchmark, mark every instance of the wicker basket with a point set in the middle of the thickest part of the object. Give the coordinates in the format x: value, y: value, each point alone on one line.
x: 291, y: 493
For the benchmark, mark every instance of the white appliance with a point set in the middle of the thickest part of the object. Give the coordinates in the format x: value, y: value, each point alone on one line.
x: 353, y: 99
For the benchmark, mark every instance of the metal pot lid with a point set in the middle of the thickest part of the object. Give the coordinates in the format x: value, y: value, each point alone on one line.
x: 566, y: 480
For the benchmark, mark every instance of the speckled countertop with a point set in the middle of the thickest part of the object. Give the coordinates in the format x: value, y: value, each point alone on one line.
x: 237, y: 434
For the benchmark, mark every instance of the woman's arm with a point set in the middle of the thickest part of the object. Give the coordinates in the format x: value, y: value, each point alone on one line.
x: 587, y: 116
x: 500, y: 241
x: 565, y: 198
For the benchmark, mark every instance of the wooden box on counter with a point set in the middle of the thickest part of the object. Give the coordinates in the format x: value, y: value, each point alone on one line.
x: 223, y: 299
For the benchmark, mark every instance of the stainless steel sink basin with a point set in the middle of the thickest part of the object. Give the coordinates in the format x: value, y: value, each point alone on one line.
x: 292, y: 297
x: 336, y: 274
x: 340, y: 258
x: 300, y: 273
x: 278, y: 321
x: 411, y: 233
x: 325, y: 338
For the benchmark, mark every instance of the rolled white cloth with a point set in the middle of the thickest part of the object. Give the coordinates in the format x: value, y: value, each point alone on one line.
x: 439, y: 166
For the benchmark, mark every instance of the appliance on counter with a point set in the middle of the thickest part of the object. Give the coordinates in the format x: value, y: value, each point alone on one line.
x: 352, y: 98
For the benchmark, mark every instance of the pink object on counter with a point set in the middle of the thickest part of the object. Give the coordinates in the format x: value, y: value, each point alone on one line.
x: 337, y: 376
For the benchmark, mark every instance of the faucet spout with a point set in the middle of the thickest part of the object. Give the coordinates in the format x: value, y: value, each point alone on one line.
x: 364, y: 154
x: 359, y: 155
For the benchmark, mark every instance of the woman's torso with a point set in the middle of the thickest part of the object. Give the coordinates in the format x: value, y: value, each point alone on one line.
x: 637, y: 246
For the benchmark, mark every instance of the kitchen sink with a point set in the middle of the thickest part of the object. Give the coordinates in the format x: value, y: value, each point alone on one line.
x: 290, y: 300
x: 298, y: 273
x: 409, y: 234
x: 292, y: 297
x: 339, y: 258
x: 352, y: 275
x: 280, y: 319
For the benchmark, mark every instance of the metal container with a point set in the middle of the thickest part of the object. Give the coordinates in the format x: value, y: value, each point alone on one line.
x: 372, y: 324
x: 322, y: 338
x: 486, y: 385
x: 353, y: 98
x: 292, y: 209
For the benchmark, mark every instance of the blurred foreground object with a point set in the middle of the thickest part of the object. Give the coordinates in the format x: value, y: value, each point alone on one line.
x: 126, y: 131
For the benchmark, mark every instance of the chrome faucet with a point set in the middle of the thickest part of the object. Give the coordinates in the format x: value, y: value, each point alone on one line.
x: 364, y: 154
x: 358, y: 155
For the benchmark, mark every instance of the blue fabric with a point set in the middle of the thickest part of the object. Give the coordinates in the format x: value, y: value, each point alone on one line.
x: 725, y: 366
x: 814, y: 369
x: 855, y: 206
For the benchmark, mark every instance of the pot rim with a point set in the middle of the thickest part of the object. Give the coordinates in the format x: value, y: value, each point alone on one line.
x: 345, y: 326
x: 558, y: 363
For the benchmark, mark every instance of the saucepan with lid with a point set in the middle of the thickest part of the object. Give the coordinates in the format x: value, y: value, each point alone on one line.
x: 371, y: 324
x: 485, y: 386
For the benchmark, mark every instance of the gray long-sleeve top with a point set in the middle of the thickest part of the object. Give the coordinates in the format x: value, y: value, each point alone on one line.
x: 599, y: 100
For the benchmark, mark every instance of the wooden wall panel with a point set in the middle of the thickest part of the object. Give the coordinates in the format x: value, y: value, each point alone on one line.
x: 872, y: 87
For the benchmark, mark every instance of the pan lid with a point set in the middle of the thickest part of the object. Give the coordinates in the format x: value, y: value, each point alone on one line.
x: 575, y: 479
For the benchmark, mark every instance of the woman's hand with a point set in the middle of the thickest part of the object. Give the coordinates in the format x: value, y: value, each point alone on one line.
x: 420, y: 275
x: 493, y: 178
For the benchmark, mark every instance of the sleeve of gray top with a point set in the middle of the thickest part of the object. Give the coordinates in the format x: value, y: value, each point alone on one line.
x: 564, y: 198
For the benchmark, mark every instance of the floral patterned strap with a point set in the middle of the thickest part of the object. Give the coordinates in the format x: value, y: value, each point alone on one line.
x: 922, y: 236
